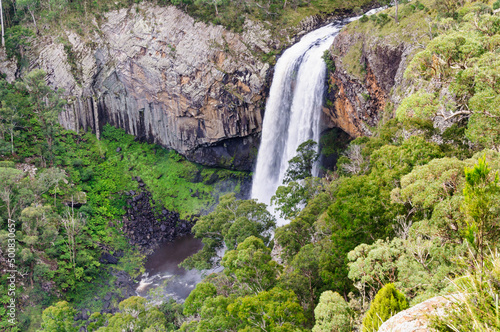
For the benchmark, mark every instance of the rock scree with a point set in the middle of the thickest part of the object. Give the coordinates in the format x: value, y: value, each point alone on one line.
x: 147, y: 223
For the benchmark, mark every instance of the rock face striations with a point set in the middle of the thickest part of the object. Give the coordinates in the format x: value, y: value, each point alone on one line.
x: 161, y: 76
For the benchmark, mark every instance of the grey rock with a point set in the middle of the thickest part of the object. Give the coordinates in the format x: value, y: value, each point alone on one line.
x: 417, y: 318
x: 164, y: 78
x: 8, y: 67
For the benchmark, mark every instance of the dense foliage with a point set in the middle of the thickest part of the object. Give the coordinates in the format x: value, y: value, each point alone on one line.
x: 65, y: 192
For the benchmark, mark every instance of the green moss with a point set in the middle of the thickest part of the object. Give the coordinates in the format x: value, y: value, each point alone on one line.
x: 352, y: 61
x: 412, y: 24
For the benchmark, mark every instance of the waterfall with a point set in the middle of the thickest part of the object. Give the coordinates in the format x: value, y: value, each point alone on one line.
x: 293, y: 108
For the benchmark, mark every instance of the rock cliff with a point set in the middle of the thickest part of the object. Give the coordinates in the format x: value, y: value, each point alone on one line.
x: 367, y: 64
x: 165, y: 78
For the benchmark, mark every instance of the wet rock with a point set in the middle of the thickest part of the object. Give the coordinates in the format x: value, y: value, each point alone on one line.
x: 118, y: 149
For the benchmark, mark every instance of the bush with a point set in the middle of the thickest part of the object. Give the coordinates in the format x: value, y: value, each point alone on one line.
x: 332, y: 313
x: 475, y: 300
x: 364, y: 19
x: 7, y: 163
x: 496, y: 5
x: 330, y: 64
x: 388, y: 302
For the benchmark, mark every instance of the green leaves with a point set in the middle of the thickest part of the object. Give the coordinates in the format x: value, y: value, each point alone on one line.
x: 388, y: 302
x: 59, y: 318
x: 460, y: 70
x: 300, y: 166
x: 197, y: 298
x: 229, y: 225
x: 332, y: 314
x: 482, y: 206
x: 251, y: 264
x: 135, y: 315
x: 292, y: 198
x: 274, y: 310
x: 372, y: 266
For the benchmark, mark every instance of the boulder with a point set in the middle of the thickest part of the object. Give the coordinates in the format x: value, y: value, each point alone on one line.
x: 417, y: 318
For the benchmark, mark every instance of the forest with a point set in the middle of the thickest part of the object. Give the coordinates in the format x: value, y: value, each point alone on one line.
x: 406, y: 214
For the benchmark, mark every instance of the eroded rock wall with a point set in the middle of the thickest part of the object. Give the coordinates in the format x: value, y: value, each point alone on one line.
x: 367, y: 68
x: 162, y: 76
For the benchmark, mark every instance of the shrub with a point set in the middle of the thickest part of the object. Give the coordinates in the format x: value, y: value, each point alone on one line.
x: 475, y: 304
x: 386, y: 304
x: 7, y: 163
x: 330, y: 64
x: 332, y: 313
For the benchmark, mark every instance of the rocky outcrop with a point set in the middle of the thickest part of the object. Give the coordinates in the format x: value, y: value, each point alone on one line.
x: 163, y: 77
x: 8, y: 67
x: 366, y: 69
x: 417, y: 318
x: 147, y: 223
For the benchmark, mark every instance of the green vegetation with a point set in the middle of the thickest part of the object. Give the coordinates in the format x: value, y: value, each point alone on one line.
x: 388, y: 302
x: 475, y: 306
x: 332, y: 314
x: 68, y: 209
x: 229, y: 225
x: 463, y: 60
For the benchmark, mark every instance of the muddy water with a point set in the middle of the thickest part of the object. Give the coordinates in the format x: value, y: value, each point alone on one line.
x: 163, y: 277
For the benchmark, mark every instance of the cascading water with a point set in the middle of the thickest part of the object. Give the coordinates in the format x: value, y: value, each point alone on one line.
x: 293, y: 108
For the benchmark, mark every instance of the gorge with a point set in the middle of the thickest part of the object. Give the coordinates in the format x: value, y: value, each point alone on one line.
x: 137, y: 135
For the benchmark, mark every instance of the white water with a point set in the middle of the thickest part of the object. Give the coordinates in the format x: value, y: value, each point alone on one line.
x: 293, y: 109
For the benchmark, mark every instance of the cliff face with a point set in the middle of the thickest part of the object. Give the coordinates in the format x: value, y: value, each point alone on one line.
x: 367, y: 68
x: 163, y: 77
